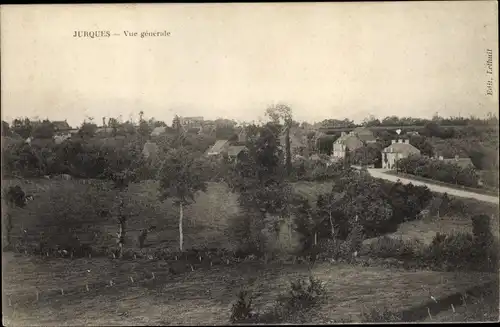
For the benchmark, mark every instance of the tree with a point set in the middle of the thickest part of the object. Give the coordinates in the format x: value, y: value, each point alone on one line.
x: 283, y: 113
x: 181, y: 177
x: 367, y: 155
x: 5, y: 128
x: 45, y: 130
x: 361, y: 198
x: 87, y: 130
x: 326, y: 206
x: 14, y: 197
x: 259, y: 180
x: 114, y: 124
x: 144, y: 128
x: 421, y: 143
x: 176, y: 124
x: 23, y: 127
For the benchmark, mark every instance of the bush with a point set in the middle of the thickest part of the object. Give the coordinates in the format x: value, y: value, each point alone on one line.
x: 439, y: 170
x: 304, y: 294
x: 387, y: 247
x: 460, y: 251
x: 291, y: 307
x: 242, y: 309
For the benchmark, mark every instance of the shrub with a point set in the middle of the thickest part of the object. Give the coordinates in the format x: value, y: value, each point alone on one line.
x: 242, y: 309
x: 291, y: 307
x: 387, y: 247
x: 439, y: 170
x: 481, y: 228
x: 455, y: 251
x: 304, y: 294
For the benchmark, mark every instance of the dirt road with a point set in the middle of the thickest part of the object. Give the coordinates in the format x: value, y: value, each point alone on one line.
x: 380, y: 173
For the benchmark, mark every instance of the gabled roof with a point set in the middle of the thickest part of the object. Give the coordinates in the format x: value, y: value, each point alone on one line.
x: 350, y: 141
x: 61, y: 125
x: 367, y: 137
x: 362, y: 131
x: 217, y: 147
x: 405, y: 148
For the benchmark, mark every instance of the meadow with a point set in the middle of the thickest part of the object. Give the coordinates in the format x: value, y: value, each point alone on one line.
x: 103, y: 291
x: 203, y: 296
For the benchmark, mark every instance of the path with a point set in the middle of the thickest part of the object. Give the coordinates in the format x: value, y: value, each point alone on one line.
x: 380, y: 173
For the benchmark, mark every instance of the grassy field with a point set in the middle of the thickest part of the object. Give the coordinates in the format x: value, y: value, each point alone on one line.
x: 70, y: 202
x: 203, y: 296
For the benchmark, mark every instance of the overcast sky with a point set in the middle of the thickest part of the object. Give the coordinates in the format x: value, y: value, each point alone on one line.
x: 335, y: 60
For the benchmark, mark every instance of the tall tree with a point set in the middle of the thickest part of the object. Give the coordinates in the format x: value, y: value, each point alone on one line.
x: 5, y: 128
x: 181, y: 177
x: 282, y: 114
x: 176, y: 124
x: 23, y: 127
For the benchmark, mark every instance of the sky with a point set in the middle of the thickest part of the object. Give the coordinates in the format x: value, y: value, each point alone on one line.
x: 325, y: 60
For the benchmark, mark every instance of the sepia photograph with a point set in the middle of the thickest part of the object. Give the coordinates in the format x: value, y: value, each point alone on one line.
x: 249, y: 163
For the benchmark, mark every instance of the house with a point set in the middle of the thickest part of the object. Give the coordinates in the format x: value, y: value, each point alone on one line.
x: 218, y: 148
x: 461, y: 162
x: 225, y: 147
x: 398, y: 149
x: 345, y: 142
x: 364, y: 135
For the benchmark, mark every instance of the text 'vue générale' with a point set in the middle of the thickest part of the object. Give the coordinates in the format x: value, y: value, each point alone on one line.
x: 106, y: 34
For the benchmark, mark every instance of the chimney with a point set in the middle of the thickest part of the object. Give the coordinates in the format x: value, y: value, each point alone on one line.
x: 393, y: 141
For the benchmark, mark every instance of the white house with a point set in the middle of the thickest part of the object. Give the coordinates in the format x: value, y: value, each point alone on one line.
x: 345, y: 141
x: 398, y: 149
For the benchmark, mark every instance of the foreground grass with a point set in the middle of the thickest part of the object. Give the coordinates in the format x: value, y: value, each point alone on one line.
x: 480, y: 307
x: 205, y: 295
